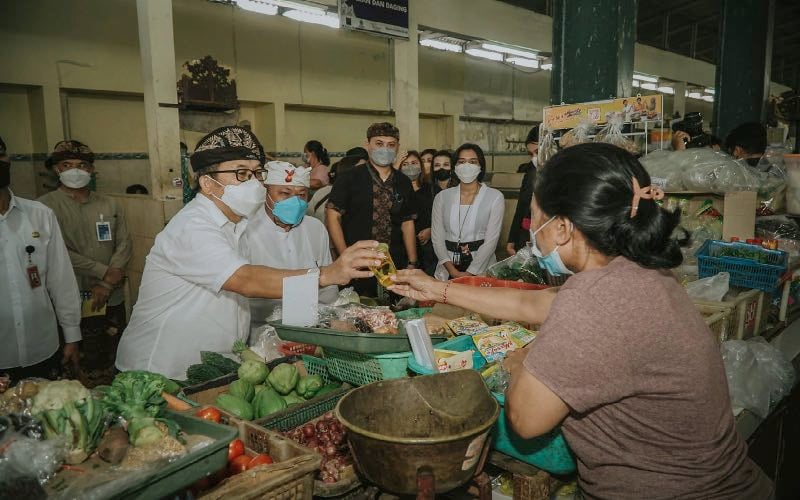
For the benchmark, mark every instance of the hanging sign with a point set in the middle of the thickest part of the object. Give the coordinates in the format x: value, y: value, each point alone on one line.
x: 640, y: 108
x: 378, y: 17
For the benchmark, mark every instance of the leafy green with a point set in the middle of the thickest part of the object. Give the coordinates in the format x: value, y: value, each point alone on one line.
x: 136, y: 397
x: 218, y: 361
x: 199, y: 373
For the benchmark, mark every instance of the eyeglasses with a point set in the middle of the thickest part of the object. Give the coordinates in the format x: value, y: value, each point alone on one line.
x: 245, y: 174
x: 471, y: 161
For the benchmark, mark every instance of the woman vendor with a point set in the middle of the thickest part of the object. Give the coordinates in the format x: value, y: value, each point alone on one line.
x: 623, y: 362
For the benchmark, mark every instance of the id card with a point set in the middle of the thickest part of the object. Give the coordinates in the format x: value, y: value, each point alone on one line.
x: 103, y: 229
x: 33, y: 276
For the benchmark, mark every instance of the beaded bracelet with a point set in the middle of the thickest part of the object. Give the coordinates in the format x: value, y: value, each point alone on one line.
x: 444, y: 295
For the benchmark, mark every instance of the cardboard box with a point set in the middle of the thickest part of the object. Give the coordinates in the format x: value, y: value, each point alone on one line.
x: 738, y: 210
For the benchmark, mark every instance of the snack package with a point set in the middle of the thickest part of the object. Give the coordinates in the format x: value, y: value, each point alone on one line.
x: 467, y: 325
x: 448, y: 361
x: 495, y: 341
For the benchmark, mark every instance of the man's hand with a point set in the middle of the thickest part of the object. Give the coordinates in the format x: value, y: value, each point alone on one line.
x: 353, y: 263
x: 511, y: 248
x: 72, y: 357
x: 99, y: 297
x: 424, y: 236
x: 679, y: 140
x: 114, y: 275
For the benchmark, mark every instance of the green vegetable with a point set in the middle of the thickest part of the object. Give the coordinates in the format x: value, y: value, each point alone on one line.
x: 293, y: 398
x: 267, y: 402
x: 254, y: 372
x: 199, y: 373
x: 234, y: 405
x: 136, y: 397
x: 65, y: 408
x: 218, y: 361
x: 170, y: 386
x: 261, y: 387
x: 242, y: 389
x: 327, y: 389
x: 284, y: 378
x: 245, y: 354
x: 309, y: 385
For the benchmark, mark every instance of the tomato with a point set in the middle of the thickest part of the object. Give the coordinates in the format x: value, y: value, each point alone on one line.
x: 260, y: 459
x: 209, y: 413
x: 238, y: 464
x: 235, y: 449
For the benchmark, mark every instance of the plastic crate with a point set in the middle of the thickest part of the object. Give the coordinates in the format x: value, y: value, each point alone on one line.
x: 458, y: 344
x: 745, y: 273
x: 361, y: 369
x: 549, y: 452
x: 299, y: 414
x: 290, y: 477
x: 747, y: 315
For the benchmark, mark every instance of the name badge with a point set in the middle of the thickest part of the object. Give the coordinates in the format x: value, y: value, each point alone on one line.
x: 33, y: 276
x: 103, y: 229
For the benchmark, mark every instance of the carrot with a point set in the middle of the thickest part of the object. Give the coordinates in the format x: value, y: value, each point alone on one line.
x: 174, y: 403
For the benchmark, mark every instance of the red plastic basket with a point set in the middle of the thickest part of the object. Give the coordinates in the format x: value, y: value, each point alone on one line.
x: 486, y: 281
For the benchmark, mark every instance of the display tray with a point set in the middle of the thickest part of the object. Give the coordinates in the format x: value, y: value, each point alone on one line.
x: 98, y: 480
x: 364, y: 343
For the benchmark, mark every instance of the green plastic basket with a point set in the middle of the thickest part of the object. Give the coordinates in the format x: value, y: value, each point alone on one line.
x: 362, y: 369
x: 317, y: 366
x: 297, y: 415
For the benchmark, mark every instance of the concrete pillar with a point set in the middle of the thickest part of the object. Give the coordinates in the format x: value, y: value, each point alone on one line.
x: 593, y: 44
x: 405, y: 84
x: 679, y: 99
x: 744, y: 66
x: 157, y: 51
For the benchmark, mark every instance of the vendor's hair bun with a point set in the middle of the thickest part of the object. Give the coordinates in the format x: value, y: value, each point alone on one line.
x: 591, y: 185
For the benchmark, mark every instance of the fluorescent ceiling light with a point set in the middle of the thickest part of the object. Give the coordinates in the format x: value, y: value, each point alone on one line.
x: 645, y: 78
x: 666, y: 90
x: 330, y: 20
x: 257, y: 6
x: 302, y: 6
x: 524, y: 62
x: 636, y: 83
x: 695, y: 95
x: 440, y: 45
x: 708, y: 98
x: 508, y: 50
x: 649, y: 86
x: 709, y: 91
x: 485, y: 54
x: 547, y: 66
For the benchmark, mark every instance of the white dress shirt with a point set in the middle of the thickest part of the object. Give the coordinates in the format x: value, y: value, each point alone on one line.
x: 29, y: 316
x: 182, y: 308
x: 451, y: 221
x: 303, y: 247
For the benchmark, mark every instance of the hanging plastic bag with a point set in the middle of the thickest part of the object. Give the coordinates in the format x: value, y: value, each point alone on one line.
x: 547, y: 146
x: 578, y: 135
x: 758, y: 374
x: 612, y: 134
x: 711, y: 289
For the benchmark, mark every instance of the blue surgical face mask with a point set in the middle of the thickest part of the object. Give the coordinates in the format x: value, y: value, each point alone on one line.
x: 289, y: 211
x: 551, y: 262
x: 383, y: 157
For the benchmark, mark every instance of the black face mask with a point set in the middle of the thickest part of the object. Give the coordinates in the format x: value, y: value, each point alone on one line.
x: 5, y: 174
x: 441, y: 175
x: 753, y: 161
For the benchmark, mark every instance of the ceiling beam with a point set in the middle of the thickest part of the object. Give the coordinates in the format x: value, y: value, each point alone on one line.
x: 675, y: 7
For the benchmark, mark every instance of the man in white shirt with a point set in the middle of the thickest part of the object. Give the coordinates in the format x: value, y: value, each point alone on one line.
x: 198, y: 276
x: 281, y: 236
x: 39, y: 290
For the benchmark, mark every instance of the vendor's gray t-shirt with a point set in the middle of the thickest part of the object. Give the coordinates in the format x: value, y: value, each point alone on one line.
x: 650, y: 416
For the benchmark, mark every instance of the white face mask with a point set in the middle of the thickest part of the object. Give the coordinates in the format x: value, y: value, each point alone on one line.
x: 75, y: 178
x: 243, y: 199
x: 467, y: 172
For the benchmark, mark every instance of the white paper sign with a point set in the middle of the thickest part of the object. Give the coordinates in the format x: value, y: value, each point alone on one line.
x: 300, y: 299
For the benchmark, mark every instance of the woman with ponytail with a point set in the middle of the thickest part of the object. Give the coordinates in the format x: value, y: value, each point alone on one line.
x: 623, y: 362
x: 316, y: 157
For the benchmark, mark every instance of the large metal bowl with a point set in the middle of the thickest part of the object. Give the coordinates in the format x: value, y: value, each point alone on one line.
x: 396, y: 428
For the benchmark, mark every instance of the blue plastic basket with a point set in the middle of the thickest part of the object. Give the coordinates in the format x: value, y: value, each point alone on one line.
x: 458, y: 344
x: 549, y: 452
x: 744, y: 272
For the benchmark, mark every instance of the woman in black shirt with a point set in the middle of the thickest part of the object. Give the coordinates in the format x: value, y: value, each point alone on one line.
x: 411, y: 167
